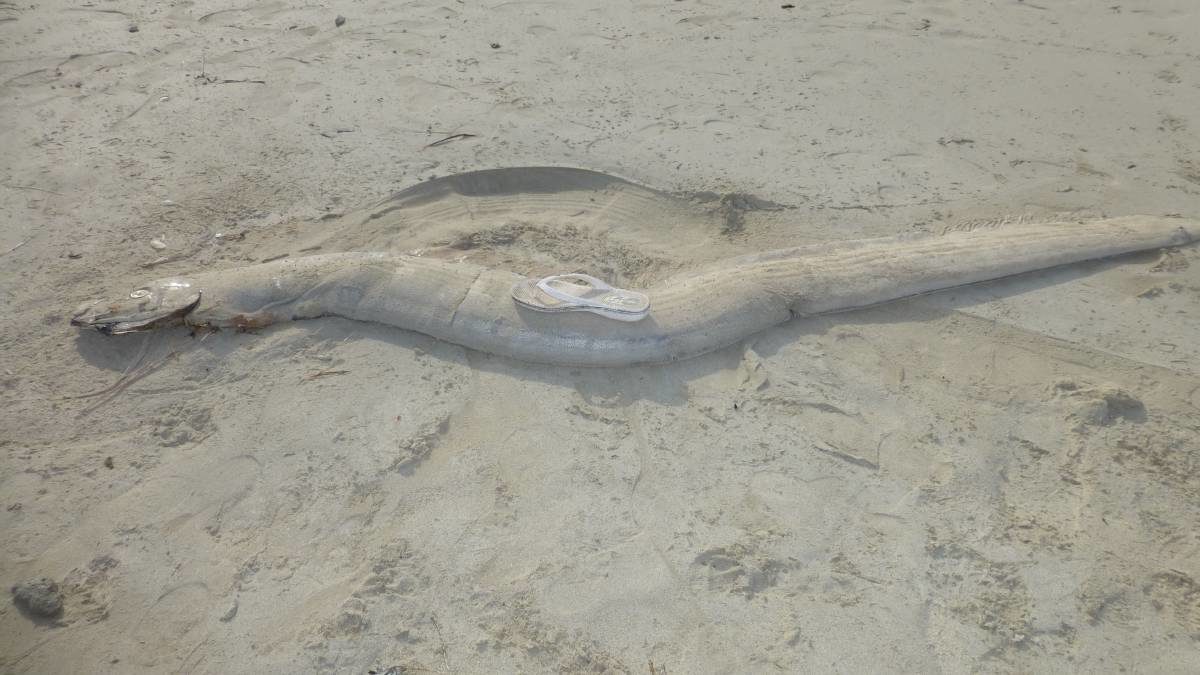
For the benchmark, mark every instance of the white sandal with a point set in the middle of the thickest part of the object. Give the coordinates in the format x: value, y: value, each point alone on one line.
x: 581, y: 293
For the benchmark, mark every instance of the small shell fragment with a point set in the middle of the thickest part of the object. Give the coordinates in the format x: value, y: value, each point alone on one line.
x: 157, y: 244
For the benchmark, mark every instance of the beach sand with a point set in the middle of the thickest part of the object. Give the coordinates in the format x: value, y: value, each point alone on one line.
x: 999, y: 478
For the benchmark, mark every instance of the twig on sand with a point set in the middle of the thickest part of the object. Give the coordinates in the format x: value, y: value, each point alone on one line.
x: 62, y: 63
x: 209, y: 79
x: 30, y: 187
x: 17, y: 246
x: 451, y: 137
x: 99, y: 11
x: 832, y: 450
x: 163, y: 260
x: 210, y: 15
x: 136, y: 110
x: 17, y: 77
x: 441, y: 639
x: 323, y: 373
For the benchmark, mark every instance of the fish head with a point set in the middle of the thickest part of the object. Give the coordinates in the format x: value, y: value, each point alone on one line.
x: 156, y: 305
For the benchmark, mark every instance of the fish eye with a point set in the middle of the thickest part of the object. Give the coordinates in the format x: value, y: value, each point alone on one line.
x: 140, y: 293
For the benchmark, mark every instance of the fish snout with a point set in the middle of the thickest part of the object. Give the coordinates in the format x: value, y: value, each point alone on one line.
x: 139, y: 313
x: 92, y: 314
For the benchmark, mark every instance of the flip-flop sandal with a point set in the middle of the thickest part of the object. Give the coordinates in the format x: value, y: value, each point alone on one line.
x: 581, y: 293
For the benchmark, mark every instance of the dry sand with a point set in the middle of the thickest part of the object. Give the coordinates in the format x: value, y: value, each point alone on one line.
x: 1004, y: 478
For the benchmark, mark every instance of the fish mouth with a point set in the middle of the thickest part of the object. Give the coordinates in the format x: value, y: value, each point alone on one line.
x: 113, y: 323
